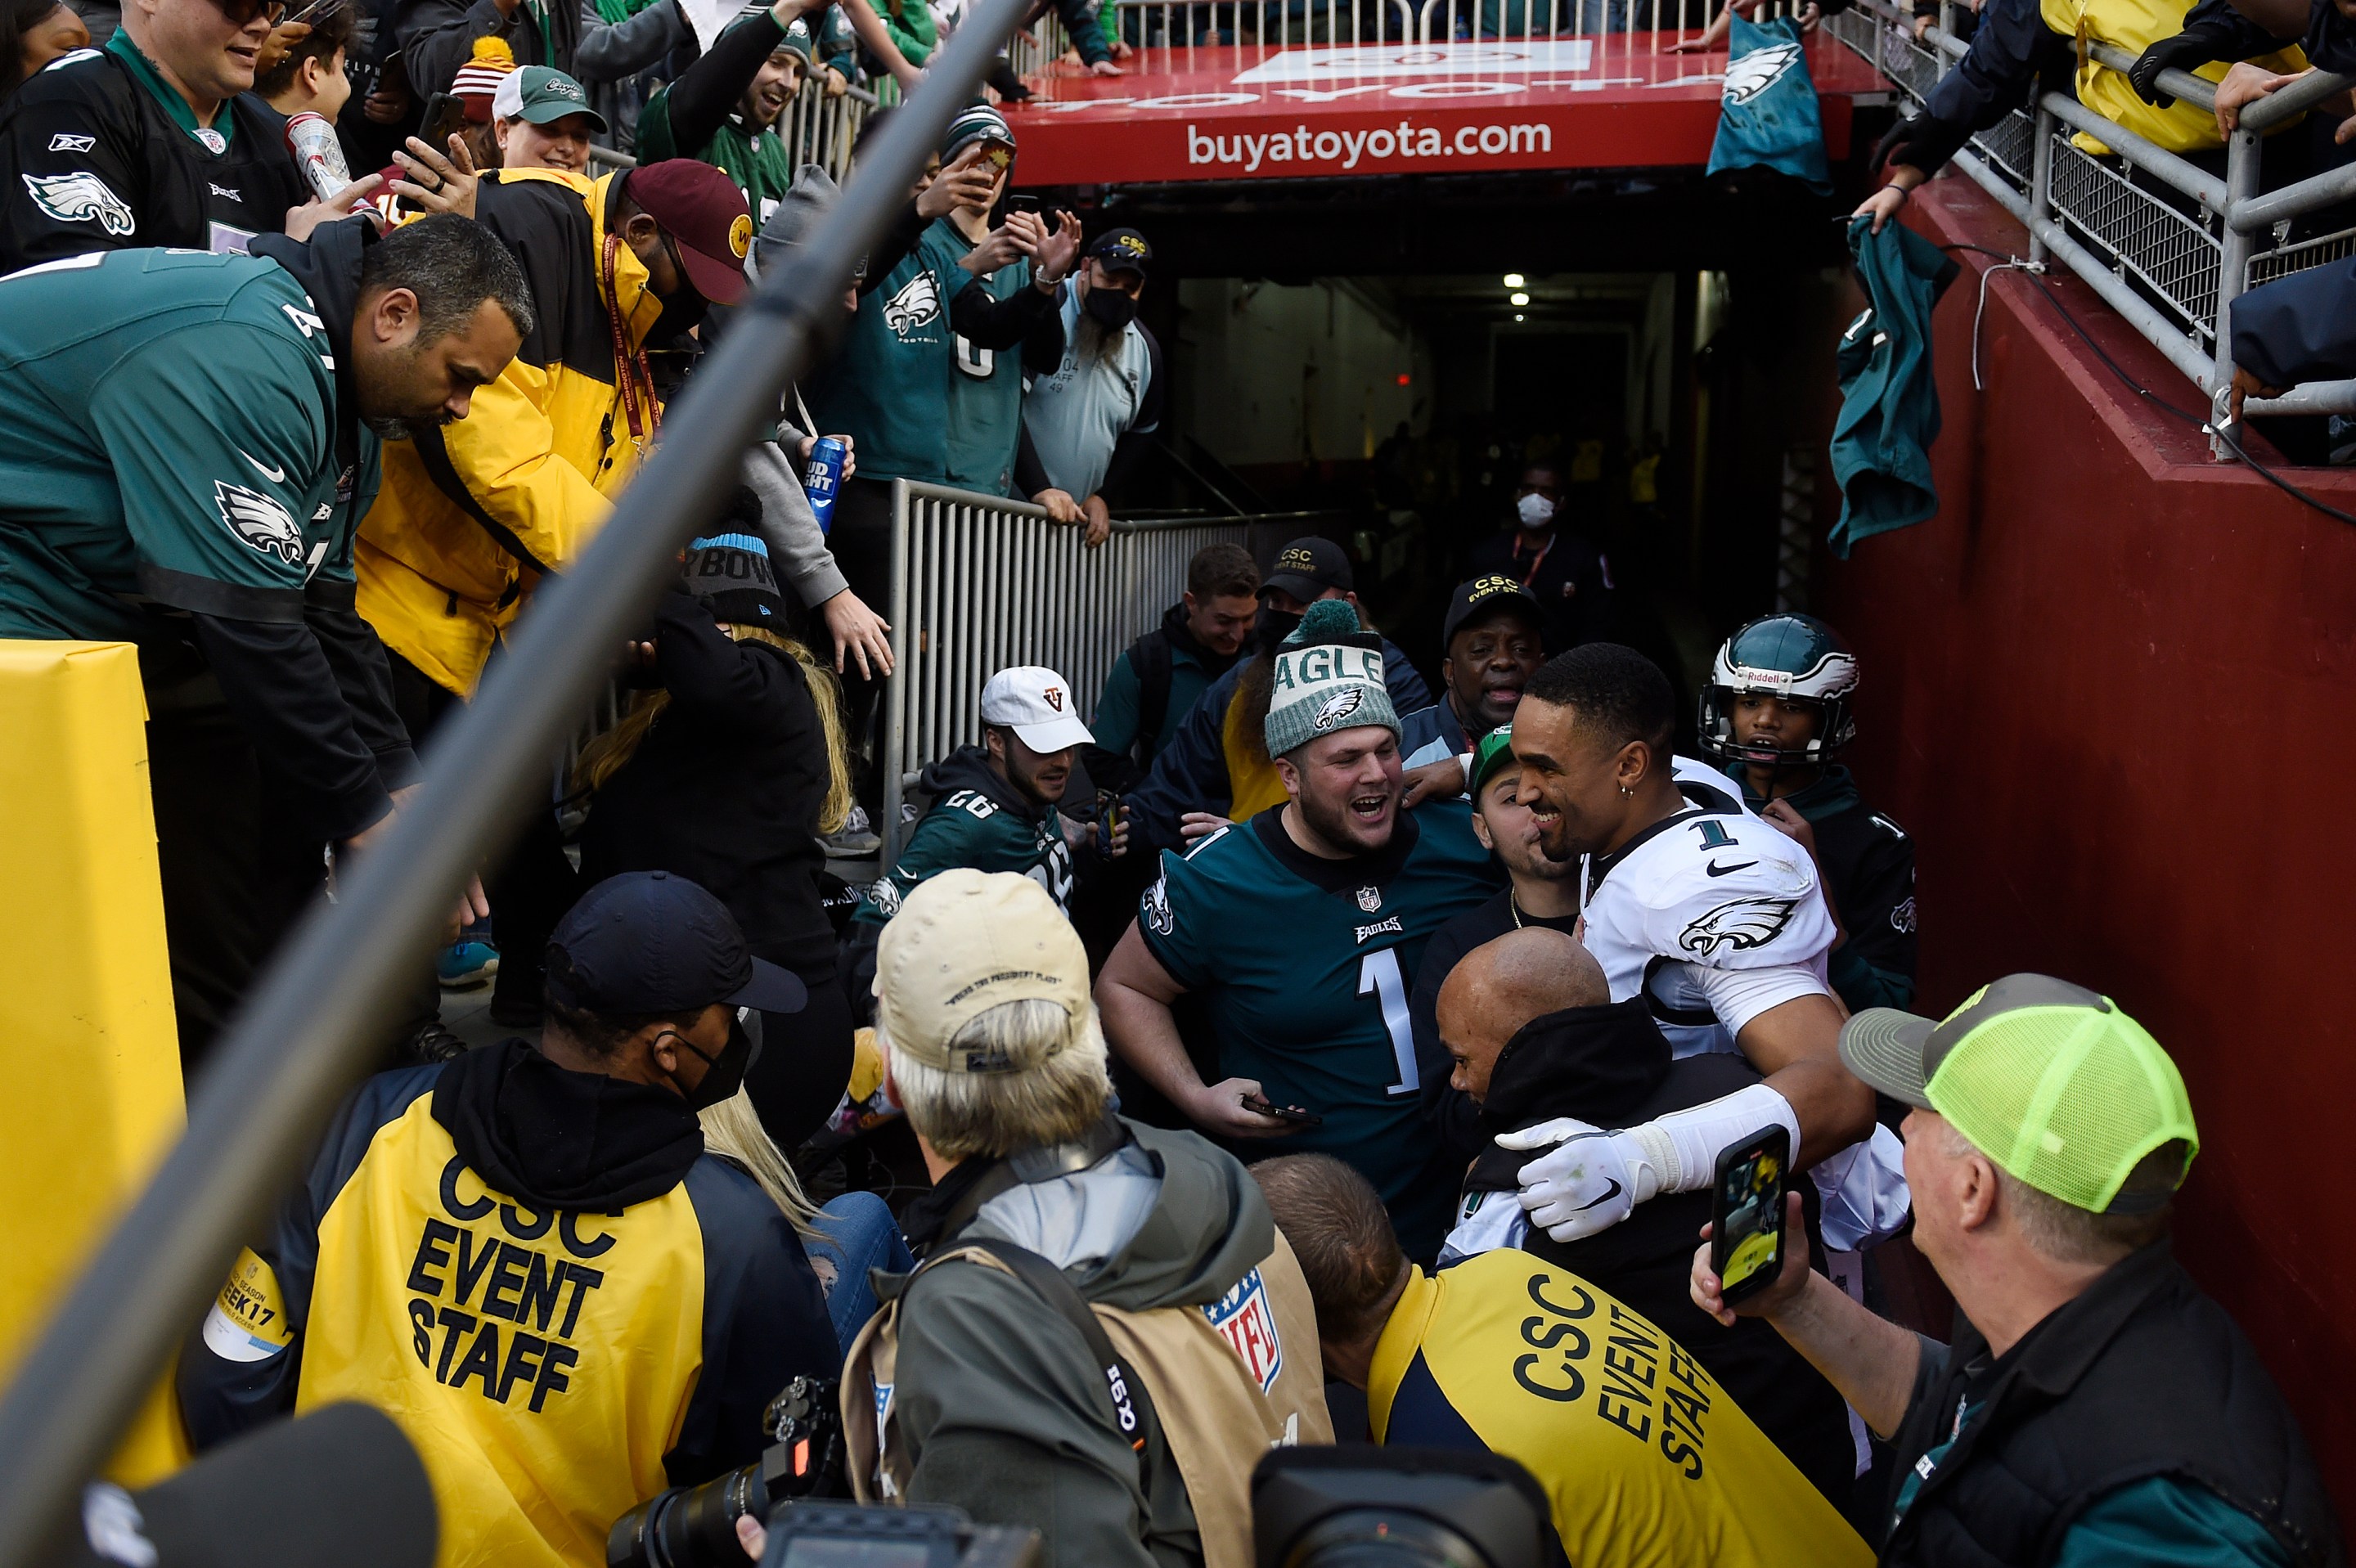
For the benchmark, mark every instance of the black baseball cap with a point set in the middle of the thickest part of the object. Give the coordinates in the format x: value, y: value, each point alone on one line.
x: 648, y: 942
x: 1122, y: 250
x: 1307, y: 567
x: 1485, y: 596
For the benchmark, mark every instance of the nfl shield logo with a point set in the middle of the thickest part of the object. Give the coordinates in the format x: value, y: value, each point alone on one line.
x: 1246, y: 1318
x: 1370, y: 899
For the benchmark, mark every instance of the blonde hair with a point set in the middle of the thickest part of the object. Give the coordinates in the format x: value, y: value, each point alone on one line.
x: 611, y: 752
x: 734, y: 1128
x: 961, y: 1115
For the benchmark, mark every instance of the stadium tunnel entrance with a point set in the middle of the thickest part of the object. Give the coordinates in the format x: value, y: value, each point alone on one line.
x: 1502, y: 251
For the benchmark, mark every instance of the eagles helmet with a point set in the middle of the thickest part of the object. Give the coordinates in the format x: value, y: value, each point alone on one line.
x: 1795, y: 657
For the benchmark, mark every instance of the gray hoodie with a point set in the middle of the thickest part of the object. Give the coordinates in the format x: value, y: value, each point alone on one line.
x: 999, y: 1407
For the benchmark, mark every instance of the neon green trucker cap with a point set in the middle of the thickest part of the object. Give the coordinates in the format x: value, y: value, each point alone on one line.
x: 2049, y: 1079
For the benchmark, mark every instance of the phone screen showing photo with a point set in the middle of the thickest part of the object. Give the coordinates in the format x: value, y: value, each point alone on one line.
x: 1747, y: 1240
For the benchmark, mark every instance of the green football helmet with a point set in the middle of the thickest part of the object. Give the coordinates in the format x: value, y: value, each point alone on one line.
x: 1795, y: 657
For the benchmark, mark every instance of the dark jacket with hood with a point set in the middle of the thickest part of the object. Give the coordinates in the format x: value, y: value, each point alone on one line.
x: 726, y: 788
x: 1147, y: 695
x: 498, y: 1250
x: 1868, y: 866
x: 1611, y: 1066
x: 996, y: 1395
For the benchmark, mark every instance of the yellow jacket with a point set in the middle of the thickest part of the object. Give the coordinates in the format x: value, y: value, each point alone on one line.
x: 2135, y: 26
x: 470, y: 515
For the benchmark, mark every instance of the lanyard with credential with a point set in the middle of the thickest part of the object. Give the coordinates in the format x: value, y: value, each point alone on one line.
x: 630, y: 371
x: 1538, y: 561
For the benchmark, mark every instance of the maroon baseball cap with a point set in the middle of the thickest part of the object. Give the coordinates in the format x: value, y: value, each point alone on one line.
x: 700, y: 207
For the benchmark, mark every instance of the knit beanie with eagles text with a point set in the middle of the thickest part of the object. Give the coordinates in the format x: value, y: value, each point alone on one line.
x: 1328, y: 677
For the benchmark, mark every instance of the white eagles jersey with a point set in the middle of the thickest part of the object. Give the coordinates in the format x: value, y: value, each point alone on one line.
x: 1715, y: 887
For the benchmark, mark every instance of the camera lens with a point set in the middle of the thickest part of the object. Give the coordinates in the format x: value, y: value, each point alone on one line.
x: 688, y: 1527
x: 1382, y: 1538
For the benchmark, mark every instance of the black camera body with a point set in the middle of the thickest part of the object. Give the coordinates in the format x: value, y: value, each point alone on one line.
x: 695, y: 1527
x: 1415, y: 1507
x: 823, y: 1534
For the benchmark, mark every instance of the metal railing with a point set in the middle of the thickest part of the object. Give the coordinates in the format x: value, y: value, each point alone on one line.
x: 2165, y: 243
x: 815, y: 128
x: 980, y: 582
x: 1645, y: 26
x: 310, y: 1026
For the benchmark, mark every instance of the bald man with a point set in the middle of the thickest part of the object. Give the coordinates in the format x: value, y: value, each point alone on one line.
x: 1528, y: 1021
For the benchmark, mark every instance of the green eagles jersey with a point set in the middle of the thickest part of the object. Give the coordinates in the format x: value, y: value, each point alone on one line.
x: 966, y: 827
x: 889, y: 385
x: 986, y: 394
x: 168, y: 434
x: 1305, y: 965
x: 756, y: 160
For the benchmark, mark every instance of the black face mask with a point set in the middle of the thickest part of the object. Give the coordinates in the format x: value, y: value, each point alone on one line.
x: 1273, y: 627
x: 1109, y: 308
x: 723, y: 1074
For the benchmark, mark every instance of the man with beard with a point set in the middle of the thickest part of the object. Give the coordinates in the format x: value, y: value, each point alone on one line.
x: 189, y: 439
x: 1718, y: 921
x: 1215, y: 767
x: 1541, y: 894
x: 1492, y: 646
x: 1299, y: 929
x: 1096, y: 387
x: 994, y: 809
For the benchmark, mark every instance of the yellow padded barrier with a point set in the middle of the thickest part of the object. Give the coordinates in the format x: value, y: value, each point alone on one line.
x: 88, y: 1047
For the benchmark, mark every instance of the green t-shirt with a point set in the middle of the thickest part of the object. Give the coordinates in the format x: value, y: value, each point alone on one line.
x: 889, y: 387
x: 1306, y: 964
x: 168, y: 434
x: 986, y: 394
x: 966, y: 827
x: 756, y: 160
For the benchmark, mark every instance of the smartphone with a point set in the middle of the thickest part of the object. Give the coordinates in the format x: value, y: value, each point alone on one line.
x: 1021, y: 204
x: 997, y: 154
x: 445, y: 116
x: 1746, y: 1214
x: 1293, y: 1113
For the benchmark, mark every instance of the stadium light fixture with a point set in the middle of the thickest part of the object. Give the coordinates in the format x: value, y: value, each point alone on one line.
x: 1518, y: 316
x: 1520, y: 299
x: 1515, y: 280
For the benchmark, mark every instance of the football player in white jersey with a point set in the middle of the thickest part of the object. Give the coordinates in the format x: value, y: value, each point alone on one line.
x: 1711, y: 913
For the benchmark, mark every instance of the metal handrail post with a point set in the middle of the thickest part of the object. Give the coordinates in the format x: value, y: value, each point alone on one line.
x: 2242, y: 155
x: 894, y: 751
x: 2040, y: 184
x: 309, y: 1028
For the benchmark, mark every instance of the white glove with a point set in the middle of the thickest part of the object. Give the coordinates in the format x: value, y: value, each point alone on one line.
x: 1589, y: 1181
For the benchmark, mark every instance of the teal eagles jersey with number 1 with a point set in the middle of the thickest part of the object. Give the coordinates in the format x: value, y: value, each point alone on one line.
x: 1305, y: 965
x: 167, y: 436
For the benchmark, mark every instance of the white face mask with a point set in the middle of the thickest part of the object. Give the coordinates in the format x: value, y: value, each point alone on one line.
x: 1535, y: 509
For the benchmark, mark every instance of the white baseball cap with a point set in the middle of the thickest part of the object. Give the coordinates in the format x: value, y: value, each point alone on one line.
x: 1037, y: 704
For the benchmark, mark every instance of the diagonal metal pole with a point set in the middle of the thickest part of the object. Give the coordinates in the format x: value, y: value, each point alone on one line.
x: 309, y: 1030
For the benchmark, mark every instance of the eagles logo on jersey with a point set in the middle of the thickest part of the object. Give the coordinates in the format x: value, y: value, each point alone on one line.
x: 1156, y: 909
x: 81, y: 197
x: 918, y: 304
x: 1739, y: 924
x: 259, y: 522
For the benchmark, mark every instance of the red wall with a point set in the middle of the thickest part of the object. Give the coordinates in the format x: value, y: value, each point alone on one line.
x: 2111, y: 691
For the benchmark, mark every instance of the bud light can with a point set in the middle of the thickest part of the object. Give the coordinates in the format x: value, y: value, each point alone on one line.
x: 825, y: 479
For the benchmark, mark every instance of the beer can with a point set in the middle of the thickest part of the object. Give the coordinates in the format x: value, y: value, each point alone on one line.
x: 311, y: 138
x: 824, y: 479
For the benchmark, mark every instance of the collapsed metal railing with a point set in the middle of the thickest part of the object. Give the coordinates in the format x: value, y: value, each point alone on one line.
x: 2170, y: 261
x: 980, y: 583
x: 312, y: 1026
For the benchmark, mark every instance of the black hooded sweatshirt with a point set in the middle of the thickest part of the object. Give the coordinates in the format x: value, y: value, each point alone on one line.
x: 1611, y: 1066
x: 726, y: 789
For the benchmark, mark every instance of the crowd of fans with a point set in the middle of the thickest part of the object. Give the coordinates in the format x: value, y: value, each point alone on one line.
x: 1285, y: 1031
